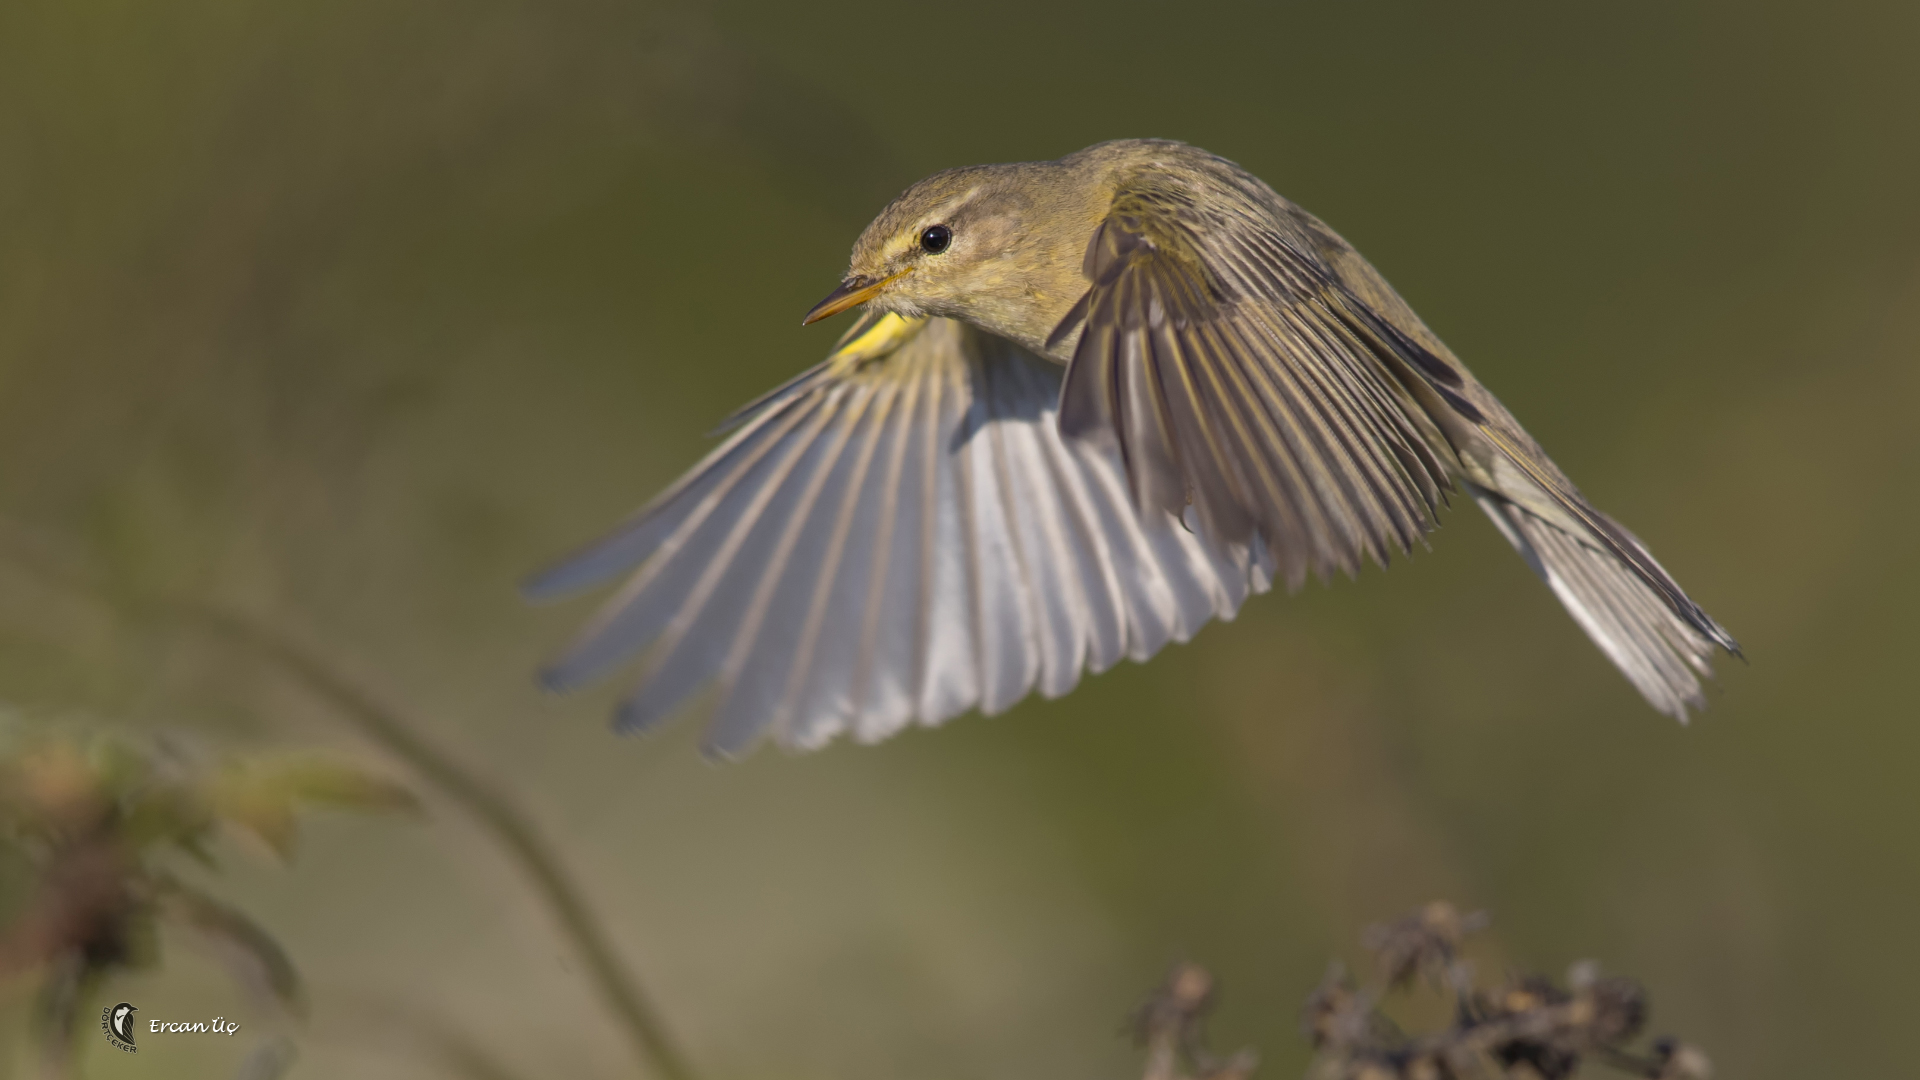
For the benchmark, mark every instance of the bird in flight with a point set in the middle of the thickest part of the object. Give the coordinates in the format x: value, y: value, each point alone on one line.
x: 1089, y: 404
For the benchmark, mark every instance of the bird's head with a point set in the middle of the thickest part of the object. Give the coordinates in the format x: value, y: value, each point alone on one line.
x: 999, y: 246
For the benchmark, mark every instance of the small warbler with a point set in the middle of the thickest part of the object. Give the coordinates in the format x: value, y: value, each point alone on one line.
x: 1090, y: 404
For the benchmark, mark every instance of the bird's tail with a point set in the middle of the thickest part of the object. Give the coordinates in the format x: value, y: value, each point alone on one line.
x: 1661, y: 653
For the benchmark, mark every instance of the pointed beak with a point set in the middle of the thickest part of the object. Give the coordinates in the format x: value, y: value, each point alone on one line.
x: 852, y: 292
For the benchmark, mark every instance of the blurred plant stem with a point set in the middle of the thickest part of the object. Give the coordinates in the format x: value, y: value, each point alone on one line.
x: 491, y: 807
x: 488, y: 804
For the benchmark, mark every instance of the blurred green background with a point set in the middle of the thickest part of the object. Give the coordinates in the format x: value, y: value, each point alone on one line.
x: 351, y: 314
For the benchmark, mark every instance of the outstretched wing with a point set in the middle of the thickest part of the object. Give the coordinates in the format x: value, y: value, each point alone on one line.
x: 1245, y: 359
x: 1216, y: 354
x: 1609, y: 582
x: 898, y: 535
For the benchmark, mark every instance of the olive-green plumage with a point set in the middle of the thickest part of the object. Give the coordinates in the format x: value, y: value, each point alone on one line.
x: 940, y: 518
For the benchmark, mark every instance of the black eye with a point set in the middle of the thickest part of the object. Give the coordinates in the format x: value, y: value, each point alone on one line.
x: 935, y: 238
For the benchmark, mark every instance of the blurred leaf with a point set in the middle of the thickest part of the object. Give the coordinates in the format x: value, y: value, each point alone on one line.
x: 261, y: 810
x: 344, y: 786
x: 260, y: 796
x: 249, y: 953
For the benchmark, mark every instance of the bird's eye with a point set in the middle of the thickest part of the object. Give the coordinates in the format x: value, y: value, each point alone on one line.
x: 935, y: 238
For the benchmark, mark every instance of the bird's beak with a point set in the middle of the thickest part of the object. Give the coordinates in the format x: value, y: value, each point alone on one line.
x: 855, y: 290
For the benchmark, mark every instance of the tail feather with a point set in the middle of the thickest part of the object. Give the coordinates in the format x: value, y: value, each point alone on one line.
x: 1663, y: 654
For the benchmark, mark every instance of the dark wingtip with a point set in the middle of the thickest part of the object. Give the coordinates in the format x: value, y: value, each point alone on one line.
x: 553, y: 679
x: 1717, y: 634
x: 628, y: 720
x: 632, y: 718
